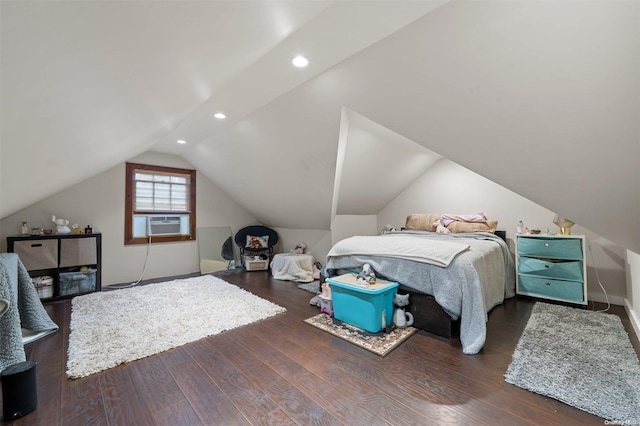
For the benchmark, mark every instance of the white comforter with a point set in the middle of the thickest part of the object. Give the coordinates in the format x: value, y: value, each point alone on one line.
x: 292, y: 267
x: 439, y: 253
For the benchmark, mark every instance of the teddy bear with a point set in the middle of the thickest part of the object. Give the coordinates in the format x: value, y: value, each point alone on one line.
x: 61, y: 225
x: 299, y: 249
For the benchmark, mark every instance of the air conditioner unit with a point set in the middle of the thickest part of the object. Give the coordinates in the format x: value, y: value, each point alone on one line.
x: 163, y: 225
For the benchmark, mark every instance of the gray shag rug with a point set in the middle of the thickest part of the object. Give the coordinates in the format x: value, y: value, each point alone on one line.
x: 582, y: 358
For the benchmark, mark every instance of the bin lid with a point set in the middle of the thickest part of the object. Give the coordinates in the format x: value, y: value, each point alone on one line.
x: 350, y: 281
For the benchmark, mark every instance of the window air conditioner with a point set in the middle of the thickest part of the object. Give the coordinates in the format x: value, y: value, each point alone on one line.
x: 163, y: 225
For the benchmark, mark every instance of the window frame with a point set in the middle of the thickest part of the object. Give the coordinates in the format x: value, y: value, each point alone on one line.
x: 129, y: 210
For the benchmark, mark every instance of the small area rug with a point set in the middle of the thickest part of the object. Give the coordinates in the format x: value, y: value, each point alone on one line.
x: 114, y: 327
x: 312, y: 287
x: 378, y: 343
x: 582, y: 358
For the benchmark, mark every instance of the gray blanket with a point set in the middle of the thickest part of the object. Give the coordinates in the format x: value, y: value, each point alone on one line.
x: 24, y: 311
x: 475, y: 281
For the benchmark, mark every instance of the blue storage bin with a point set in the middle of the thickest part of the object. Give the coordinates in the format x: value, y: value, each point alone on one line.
x: 362, y: 305
x: 77, y: 282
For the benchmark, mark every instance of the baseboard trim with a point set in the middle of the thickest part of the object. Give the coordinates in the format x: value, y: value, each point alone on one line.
x: 633, y: 317
x: 600, y: 297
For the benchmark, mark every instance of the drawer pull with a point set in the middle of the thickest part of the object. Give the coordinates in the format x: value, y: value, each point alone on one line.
x: 36, y: 245
x: 548, y: 284
x: 546, y: 266
x: 546, y: 244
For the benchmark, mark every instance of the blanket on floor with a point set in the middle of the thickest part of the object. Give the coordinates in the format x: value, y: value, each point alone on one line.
x: 24, y: 311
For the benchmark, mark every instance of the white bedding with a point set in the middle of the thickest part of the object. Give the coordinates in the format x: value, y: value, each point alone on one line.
x: 403, y: 246
x: 292, y: 267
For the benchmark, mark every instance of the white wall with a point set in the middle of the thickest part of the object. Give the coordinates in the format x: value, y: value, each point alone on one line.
x: 450, y: 188
x: 100, y: 201
x: 347, y: 225
x: 318, y: 241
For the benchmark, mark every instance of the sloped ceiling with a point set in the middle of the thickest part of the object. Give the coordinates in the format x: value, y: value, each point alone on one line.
x: 540, y: 97
x: 378, y: 165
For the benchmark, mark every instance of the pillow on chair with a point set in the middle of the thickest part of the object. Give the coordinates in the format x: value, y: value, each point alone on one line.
x: 256, y: 242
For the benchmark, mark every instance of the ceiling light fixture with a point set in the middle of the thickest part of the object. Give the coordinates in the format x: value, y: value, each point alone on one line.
x: 181, y: 142
x: 300, y: 61
x: 219, y: 115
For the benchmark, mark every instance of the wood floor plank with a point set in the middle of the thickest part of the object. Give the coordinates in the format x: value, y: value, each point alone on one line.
x: 205, y: 397
x: 300, y: 408
x: 123, y: 403
x: 249, y: 400
x: 336, y: 399
x: 82, y: 402
x: 158, y: 388
x: 178, y: 414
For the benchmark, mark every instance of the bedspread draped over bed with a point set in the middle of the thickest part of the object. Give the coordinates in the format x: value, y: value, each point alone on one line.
x: 476, y: 279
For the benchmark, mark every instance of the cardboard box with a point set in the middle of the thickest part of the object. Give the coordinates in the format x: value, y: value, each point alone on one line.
x: 362, y: 305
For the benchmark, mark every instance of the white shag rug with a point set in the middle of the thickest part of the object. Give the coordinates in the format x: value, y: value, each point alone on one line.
x: 111, y: 328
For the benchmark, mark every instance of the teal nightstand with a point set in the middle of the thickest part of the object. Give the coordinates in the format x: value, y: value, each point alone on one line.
x: 552, y: 267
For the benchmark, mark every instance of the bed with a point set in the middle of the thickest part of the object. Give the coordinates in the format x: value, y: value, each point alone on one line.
x: 452, y: 278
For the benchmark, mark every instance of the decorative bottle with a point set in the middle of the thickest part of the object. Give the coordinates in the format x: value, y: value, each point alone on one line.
x: 25, y: 229
x: 520, y: 228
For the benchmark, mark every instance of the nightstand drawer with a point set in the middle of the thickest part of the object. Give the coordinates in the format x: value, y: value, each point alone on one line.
x: 563, y: 270
x: 570, y: 291
x: 556, y: 248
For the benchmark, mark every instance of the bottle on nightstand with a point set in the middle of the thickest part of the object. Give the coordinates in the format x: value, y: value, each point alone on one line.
x: 520, y: 228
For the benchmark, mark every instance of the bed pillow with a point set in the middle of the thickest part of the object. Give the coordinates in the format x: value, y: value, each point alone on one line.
x: 257, y: 242
x: 459, y: 227
x: 422, y: 222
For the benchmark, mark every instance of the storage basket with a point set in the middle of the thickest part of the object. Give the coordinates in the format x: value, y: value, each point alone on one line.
x: 77, y: 282
x: 256, y: 265
x: 44, y: 286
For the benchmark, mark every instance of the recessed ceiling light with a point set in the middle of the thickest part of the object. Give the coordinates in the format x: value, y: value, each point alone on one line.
x: 219, y: 115
x: 181, y: 142
x: 300, y: 61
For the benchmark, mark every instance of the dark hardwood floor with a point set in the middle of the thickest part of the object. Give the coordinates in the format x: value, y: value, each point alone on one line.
x: 283, y: 371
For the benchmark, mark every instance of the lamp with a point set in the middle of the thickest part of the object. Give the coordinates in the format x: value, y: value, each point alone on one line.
x: 564, y: 224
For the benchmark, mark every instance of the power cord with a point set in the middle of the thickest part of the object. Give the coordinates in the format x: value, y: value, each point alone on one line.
x: 598, y: 278
x: 144, y: 268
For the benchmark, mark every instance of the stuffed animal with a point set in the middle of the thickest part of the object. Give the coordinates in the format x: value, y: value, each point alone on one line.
x: 61, y: 225
x: 299, y: 249
x: 401, y: 319
x: 387, y: 229
x: 367, y: 275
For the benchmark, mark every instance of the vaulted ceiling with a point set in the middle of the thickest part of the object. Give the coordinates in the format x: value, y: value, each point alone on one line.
x: 541, y: 97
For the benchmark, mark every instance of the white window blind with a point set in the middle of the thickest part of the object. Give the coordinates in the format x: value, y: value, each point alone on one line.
x: 161, y: 192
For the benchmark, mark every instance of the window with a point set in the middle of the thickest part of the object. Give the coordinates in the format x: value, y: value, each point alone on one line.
x: 160, y: 204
